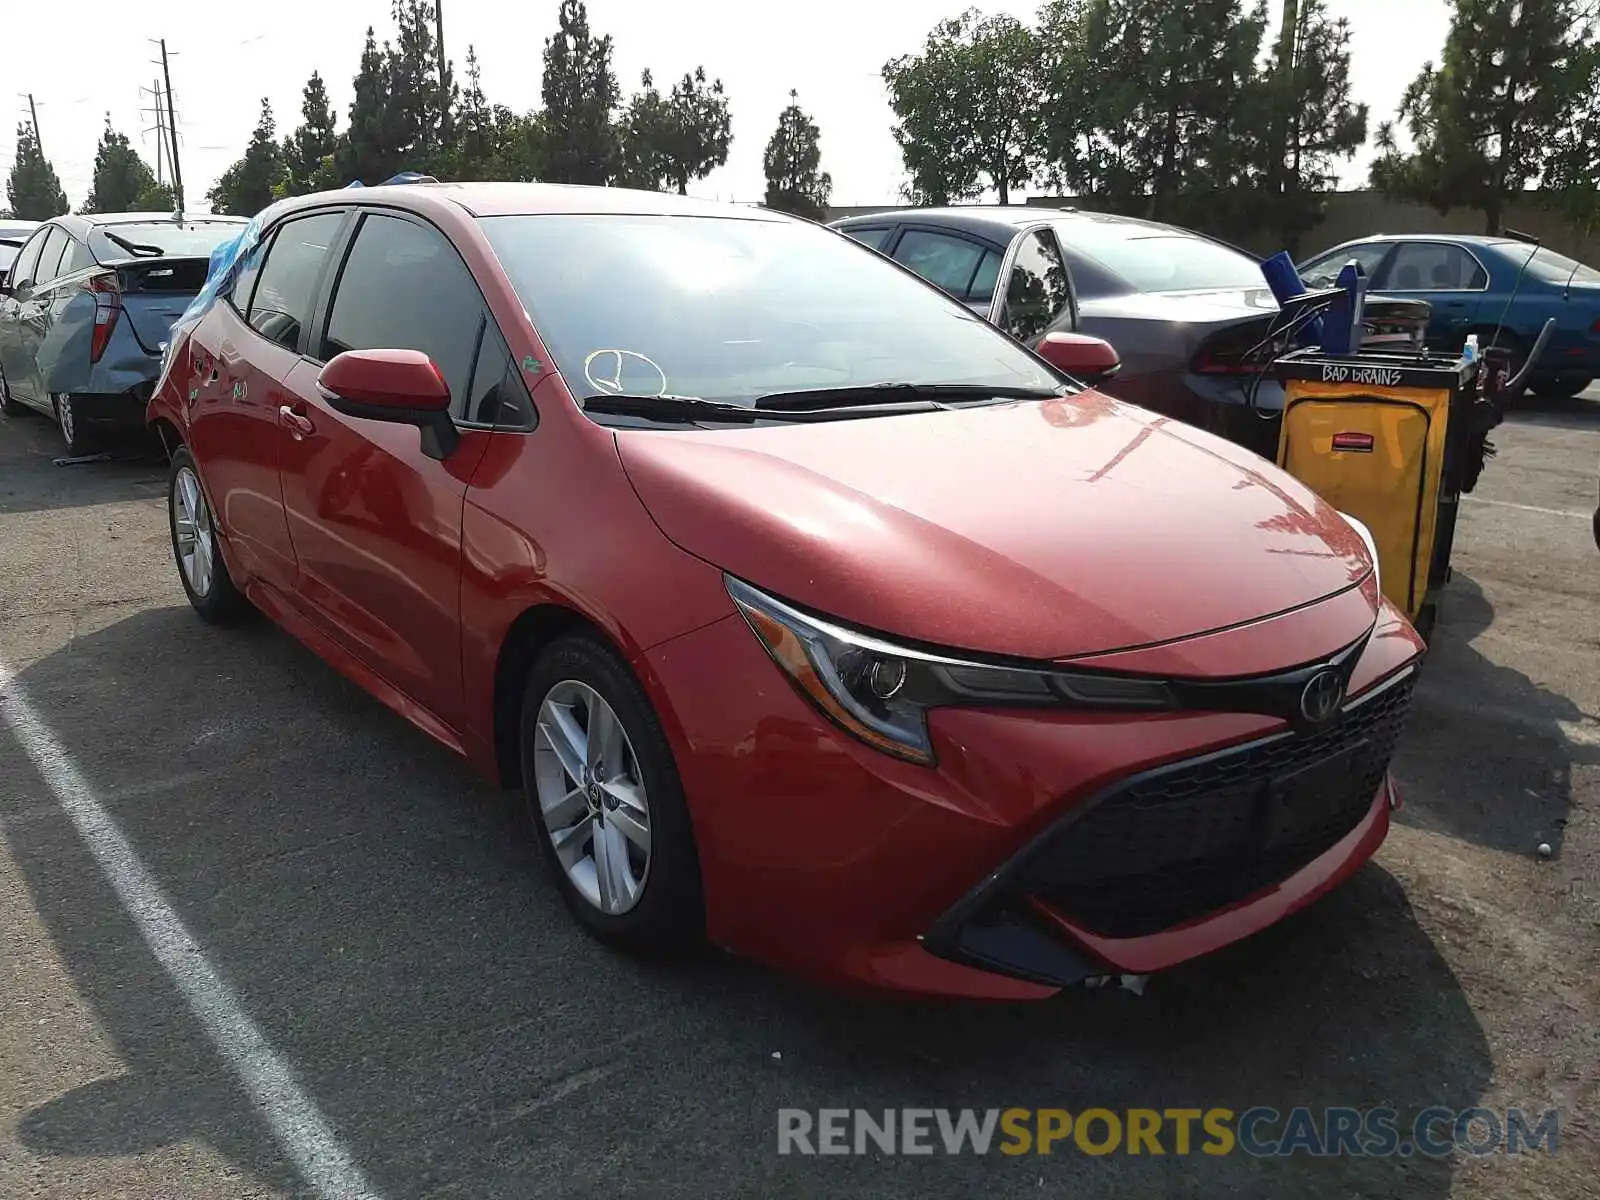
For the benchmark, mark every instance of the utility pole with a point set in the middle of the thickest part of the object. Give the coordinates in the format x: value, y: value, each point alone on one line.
x: 444, y: 71
x: 172, y: 128
x: 33, y: 115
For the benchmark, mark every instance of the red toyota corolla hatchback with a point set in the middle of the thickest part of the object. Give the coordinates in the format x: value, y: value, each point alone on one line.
x: 813, y: 615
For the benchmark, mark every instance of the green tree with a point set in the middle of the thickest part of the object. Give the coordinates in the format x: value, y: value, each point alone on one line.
x: 643, y: 134
x: 367, y: 151
x: 121, y: 177
x: 248, y: 186
x: 415, y: 118
x: 1572, y: 172
x: 968, y: 108
x: 314, y: 140
x: 580, y: 92
x: 1165, y: 130
x: 793, y: 158
x: 701, y: 131
x: 1486, y: 120
x: 1315, y: 120
x: 33, y: 190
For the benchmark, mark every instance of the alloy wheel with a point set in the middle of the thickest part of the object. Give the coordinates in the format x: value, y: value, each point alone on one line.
x: 192, y: 528
x: 592, y: 797
x: 64, y: 417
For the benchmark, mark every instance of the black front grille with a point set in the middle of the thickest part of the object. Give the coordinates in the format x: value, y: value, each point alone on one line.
x: 1185, y: 840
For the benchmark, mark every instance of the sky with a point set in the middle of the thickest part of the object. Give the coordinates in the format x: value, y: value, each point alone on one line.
x: 225, y: 58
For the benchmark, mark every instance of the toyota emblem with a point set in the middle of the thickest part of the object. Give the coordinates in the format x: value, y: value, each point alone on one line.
x: 1323, y: 694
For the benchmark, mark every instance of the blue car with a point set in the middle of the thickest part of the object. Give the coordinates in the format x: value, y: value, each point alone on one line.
x: 85, y: 307
x: 1471, y: 282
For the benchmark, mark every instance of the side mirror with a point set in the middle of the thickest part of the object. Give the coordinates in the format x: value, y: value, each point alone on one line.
x: 400, y: 386
x: 1090, y: 360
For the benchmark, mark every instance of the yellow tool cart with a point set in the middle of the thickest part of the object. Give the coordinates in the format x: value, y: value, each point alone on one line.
x: 1394, y: 440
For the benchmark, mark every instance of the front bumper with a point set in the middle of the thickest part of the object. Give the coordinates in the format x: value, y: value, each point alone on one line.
x: 823, y: 856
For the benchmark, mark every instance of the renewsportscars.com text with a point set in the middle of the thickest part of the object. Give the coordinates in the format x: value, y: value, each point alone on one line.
x: 1260, y: 1132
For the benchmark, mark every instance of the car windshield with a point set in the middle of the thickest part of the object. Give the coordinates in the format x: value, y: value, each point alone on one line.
x: 1158, y: 260
x: 190, y: 239
x: 733, y: 309
x: 1558, y: 268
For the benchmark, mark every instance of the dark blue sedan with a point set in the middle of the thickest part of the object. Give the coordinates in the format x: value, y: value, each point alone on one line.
x: 1469, y: 282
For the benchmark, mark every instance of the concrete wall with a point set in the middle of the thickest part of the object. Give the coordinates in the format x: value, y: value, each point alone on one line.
x: 1353, y: 215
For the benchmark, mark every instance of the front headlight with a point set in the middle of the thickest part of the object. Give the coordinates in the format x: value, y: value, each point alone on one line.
x: 881, y: 692
x: 1372, y: 548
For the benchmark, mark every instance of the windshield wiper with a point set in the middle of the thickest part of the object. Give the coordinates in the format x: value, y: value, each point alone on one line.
x: 137, y: 249
x: 668, y: 408
x: 820, y: 399
x: 693, y: 408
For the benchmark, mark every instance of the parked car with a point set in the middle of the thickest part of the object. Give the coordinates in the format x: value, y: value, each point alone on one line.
x: 1501, y: 289
x: 1182, y: 309
x: 810, y: 614
x: 14, y: 234
x: 85, y: 310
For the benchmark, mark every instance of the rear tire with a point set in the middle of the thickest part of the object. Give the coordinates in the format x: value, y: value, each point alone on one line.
x: 627, y: 864
x: 195, y: 547
x: 72, y: 430
x: 1558, y: 389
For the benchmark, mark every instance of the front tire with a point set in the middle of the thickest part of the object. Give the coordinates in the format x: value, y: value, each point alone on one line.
x: 8, y: 406
x: 201, y: 567
x: 606, y: 803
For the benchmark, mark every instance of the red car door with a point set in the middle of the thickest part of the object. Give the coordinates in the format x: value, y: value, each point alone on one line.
x: 375, y: 522
x: 240, y: 358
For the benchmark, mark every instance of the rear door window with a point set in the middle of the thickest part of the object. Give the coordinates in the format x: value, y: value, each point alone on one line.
x: 1038, y: 289
x: 26, y: 266
x: 287, y: 286
x: 404, y: 287
x: 1433, y: 267
x: 50, y: 256
x: 949, y: 262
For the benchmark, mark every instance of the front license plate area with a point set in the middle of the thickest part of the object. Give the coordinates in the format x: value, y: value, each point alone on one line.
x: 1314, y: 797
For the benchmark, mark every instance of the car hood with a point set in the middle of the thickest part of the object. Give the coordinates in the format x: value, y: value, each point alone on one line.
x: 1038, y: 529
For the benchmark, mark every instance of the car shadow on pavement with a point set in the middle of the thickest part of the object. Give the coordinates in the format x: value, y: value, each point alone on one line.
x: 382, y: 917
x: 1488, y: 754
x: 30, y: 480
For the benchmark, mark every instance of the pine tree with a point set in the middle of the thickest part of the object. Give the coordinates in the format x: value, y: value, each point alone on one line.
x: 1486, y: 120
x: 1315, y: 120
x: 313, y: 141
x: 642, y: 136
x: 248, y: 186
x: 33, y: 190
x: 121, y: 177
x: 367, y: 152
x: 792, y: 161
x: 580, y: 92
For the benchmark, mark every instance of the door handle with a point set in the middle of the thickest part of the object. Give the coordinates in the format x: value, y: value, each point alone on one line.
x: 298, y: 424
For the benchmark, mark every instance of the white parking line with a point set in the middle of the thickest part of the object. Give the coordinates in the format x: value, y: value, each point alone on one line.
x: 292, y: 1115
x: 1533, y: 508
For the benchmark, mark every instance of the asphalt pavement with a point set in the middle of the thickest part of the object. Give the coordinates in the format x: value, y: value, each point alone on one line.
x: 262, y: 938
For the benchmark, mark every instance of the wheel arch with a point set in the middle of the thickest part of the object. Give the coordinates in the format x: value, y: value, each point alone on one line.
x: 534, y: 628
